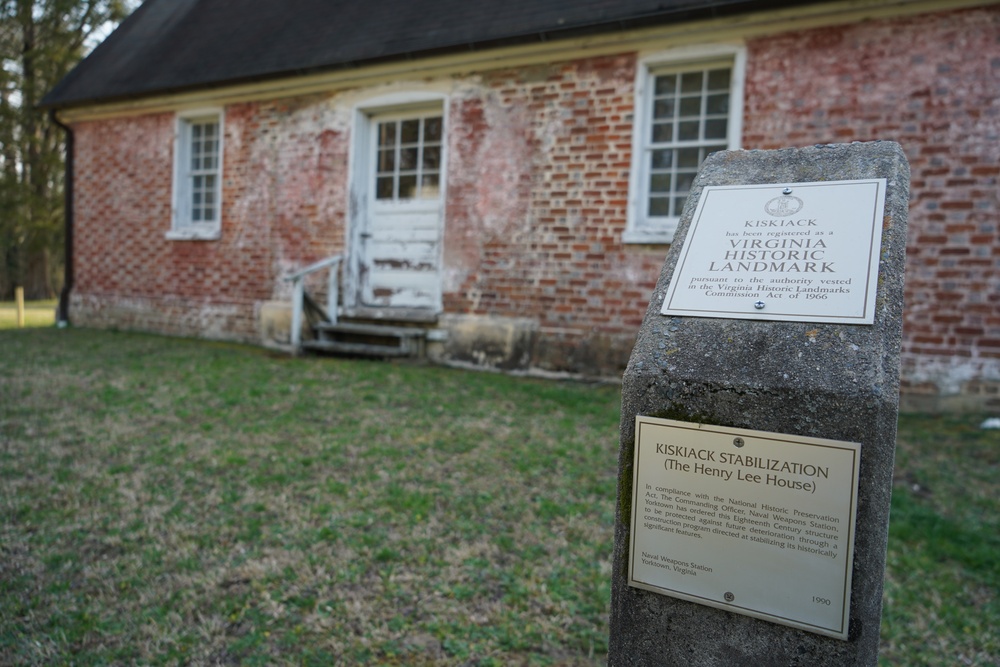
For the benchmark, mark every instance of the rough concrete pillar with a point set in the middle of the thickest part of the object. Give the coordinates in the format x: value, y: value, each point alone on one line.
x: 824, y: 380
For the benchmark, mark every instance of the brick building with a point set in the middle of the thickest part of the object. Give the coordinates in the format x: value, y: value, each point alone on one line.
x: 506, y: 177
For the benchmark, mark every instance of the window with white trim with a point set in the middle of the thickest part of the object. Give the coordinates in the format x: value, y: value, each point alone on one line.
x: 198, y: 176
x: 408, y: 159
x: 684, y: 112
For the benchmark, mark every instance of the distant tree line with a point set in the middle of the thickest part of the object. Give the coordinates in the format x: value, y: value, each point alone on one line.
x: 40, y: 41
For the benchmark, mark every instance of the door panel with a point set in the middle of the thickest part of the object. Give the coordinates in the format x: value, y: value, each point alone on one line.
x: 401, y: 240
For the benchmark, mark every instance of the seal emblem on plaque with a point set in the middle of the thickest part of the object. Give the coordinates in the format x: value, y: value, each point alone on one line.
x: 783, y: 205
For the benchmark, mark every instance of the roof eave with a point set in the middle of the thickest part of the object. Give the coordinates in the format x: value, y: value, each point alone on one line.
x: 712, y: 10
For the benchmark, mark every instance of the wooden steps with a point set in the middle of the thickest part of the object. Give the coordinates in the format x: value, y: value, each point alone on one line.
x: 366, y: 340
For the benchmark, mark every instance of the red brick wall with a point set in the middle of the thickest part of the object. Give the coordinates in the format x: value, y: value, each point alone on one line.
x: 537, y: 191
x: 537, y: 199
x: 537, y: 188
x: 932, y: 83
x: 284, y: 184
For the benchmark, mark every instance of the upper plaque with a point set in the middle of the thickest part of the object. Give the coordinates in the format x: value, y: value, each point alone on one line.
x: 795, y: 252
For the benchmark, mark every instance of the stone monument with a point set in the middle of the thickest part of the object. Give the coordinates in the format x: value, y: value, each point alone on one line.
x: 759, y: 414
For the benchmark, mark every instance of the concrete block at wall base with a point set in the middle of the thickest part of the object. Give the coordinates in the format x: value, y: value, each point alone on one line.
x: 503, y: 343
x: 167, y: 315
x: 275, y: 323
x: 591, y: 354
x: 950, y: 384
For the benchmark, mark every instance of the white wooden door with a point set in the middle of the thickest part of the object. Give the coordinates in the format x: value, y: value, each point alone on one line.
x: 400, y: 240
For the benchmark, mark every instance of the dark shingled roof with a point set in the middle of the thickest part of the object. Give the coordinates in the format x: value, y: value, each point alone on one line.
x: 175, y: 45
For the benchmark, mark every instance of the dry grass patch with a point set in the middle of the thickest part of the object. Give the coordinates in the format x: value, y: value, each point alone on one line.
x: 36, y: 314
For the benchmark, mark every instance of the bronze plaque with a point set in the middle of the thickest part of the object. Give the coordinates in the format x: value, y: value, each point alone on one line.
x: 752, y: 522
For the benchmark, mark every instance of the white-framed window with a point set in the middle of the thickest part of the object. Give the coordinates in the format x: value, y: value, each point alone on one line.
x: 197, y: 210
x: 408, y: 156
x: 688, y: 103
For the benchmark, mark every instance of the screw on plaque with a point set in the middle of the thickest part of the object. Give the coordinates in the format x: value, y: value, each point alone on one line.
x: 738, y: 442
x: 759, y: 305
x: 729, y: 596
x: 786, y: 191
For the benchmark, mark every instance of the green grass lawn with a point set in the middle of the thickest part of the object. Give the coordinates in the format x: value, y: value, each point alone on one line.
x: 36, y: 314
x: 167, y: 501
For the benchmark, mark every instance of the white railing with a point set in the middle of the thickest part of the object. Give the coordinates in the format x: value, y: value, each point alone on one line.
x: 299, y: 290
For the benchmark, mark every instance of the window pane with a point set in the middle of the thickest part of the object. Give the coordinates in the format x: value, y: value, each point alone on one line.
x: 718, y: 79
x: 716, y: 129
x: 663, y: 159
x: 408, y: 158
x: 407, y: 186
x: 383, y: 187
x: 691, y: 106
x: 688, y: 130
x: 387, y: 134
x: 659, y: 206
x: 666, y: 83
x: 691, y: 82
x: 688, y: 157
x: 409, y: 131
x: 684, y: 181
x: 717, y: 103
x: 432, y: 158
x: 663, y: 109
x: 679, y: 205
x: 429, y: 186
x: 386, y: 161
x: 663, y: 132
x: 659, y: 182
x: 432, y: 129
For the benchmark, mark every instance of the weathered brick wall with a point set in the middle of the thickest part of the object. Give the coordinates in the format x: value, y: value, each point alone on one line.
x: 537, y: 187
x: 537, y: 197
x: 932, y: 83
x: 127, y: 274
x: 284, y: 184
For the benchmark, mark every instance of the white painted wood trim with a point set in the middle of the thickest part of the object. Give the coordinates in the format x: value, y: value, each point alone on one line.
x: 203, y: 231
x: 649, y: 62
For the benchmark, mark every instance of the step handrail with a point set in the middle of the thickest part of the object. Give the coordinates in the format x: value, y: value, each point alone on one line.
x: 298, y: 293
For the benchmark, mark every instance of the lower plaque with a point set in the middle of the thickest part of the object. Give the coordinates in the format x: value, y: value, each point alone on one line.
x: 752, y: 522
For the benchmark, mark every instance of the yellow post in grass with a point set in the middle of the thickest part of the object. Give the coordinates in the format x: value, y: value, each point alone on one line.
x: 19, y: 297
